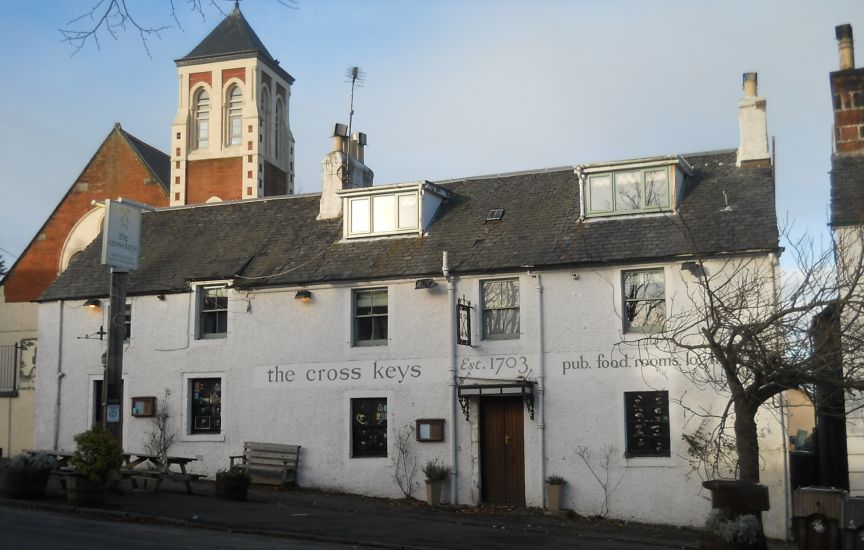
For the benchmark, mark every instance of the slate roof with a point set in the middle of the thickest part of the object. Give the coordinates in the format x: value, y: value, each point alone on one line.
x: 233, y: 38
x: 847, y: 190
x: 158, y: 162
x: 277, y: 241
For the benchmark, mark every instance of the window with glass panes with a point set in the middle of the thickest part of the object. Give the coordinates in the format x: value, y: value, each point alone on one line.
x: 127, y: 324
x: 235, y: 115
x: 213, y: 312
x: 500, y: 300
x: 384, y: 213
x: 631, y: 191
x: 370, y: 317
x: 647, y: 423
x: 644, y: 300
x: 368, y: 427
x: 205, y: 396
x: 202, y: 120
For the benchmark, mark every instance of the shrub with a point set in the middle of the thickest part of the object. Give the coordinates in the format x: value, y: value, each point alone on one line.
x: 232, y: 474
x: 98, y: 455
x: 743, y: 529
x: 36, y: 463
x: 555, y: 479
x: 435, y: 470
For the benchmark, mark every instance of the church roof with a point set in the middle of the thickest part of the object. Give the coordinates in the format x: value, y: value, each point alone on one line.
x: 155, y: 160
x: 233, y: 38
x: 278, y: 241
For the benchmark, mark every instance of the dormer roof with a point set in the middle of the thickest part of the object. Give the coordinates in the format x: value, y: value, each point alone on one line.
x: 233, y: 38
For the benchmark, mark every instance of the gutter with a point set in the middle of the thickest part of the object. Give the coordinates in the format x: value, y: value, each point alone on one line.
x: 451, y: 296
x: 541, y: 387
x: 60, y: 375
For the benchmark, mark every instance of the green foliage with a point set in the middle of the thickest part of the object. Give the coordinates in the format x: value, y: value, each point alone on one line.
x: 555, y: 479
x: 232, y: 474
x: 435, y: 470
x: 98, y: 455
x: 36, y: 463
x: 743, y: 529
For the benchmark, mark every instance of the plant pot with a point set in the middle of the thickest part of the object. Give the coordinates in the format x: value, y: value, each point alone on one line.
x: 232, y: 489
x: 82, y: 491
x: 433, y: 492
x: 26, y: 485
x: 553, y: 497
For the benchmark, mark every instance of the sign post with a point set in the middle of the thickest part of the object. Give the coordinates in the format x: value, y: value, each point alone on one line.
x: 120, y: 244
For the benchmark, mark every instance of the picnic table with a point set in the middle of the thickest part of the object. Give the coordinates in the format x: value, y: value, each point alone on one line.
x: 62, y: 457
x: 144, y: 467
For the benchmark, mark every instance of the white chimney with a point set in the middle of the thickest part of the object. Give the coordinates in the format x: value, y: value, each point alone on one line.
x: 753, y: 124
x: 342, y: 168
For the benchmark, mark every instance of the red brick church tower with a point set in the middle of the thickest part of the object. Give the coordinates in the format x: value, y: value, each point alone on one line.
x: 230, y: 138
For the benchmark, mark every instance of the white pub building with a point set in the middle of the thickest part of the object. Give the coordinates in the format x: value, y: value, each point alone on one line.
x: 481, y: 315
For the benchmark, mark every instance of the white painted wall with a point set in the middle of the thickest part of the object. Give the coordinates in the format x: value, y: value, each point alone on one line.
x: 268, y: 328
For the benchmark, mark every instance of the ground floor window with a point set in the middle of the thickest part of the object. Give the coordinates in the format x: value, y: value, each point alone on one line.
x: 206, y: 404
x: 647, y: 418
x: 369, y: 427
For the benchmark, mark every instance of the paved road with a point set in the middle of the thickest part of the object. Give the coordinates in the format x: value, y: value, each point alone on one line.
x: 32, y: 529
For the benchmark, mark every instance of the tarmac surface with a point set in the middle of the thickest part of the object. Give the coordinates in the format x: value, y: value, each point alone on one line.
x: 364, y: 521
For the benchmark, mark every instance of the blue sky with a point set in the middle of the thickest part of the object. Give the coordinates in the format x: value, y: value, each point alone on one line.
x: 453, y: 88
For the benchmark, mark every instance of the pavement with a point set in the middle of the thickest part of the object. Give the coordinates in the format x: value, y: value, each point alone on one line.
x: 357, y: 520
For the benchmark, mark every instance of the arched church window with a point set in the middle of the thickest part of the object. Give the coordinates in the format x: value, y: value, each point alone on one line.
x: 278, y: 138
x: 264, y: 120
x: 202, y: 119
x: 235, y: 115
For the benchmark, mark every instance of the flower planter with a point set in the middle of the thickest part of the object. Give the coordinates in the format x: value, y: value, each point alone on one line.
x: 82, y: 491
x: 232, y: 488
x: 553, y: 497
x: 433, y: 492
x: 25, y: 485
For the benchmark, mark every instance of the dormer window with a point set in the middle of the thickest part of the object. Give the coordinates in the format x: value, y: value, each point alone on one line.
x: 390, y: 210
x: 630, y: 191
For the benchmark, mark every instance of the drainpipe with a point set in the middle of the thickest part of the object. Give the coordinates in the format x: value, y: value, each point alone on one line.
x: 541, y: 388
x: 787, y: 498
x: 60, y: 375
x: 451, y: 295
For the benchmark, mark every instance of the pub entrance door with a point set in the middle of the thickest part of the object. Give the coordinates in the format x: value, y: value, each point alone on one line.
x: 502, y: 450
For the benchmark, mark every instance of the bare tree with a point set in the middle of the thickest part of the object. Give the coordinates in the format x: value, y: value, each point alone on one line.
x: 406, y: 463
x: 114, y: 17
x: 605, y: 467
x: 747, y: 335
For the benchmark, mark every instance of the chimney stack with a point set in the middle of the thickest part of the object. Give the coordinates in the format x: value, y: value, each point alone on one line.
x: 846, y: 46
x: 342, y: 168
x: 753, y: 126
x: 847, y: 92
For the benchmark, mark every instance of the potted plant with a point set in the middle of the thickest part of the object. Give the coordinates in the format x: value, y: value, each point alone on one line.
x: 232, y: 484
x: 730, y: 531
x: 436, y: 472
x: 96, y: 460
x: 554, y: 486
x: 26, y: 475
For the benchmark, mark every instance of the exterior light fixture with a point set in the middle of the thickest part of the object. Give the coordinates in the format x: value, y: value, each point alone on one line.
x: 94, y: 304
x: 304, y: 296
x: 161, y: 297
x: 424, y: 283
x: 694, y: 268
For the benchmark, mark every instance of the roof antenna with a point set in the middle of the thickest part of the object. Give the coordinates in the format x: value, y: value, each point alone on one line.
x: 356, y: 77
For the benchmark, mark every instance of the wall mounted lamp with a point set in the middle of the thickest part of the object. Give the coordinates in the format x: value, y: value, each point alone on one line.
x: 424, y: 283
x: 93, y: 304
x: 304, y: 296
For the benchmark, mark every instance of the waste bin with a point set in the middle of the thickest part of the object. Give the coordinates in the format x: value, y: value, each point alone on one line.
x: 816, y: 513
x: 852, y: 523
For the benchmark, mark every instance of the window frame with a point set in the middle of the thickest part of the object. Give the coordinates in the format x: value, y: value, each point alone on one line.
x: 662, y: 447
x: 483, y: 309
x: 380, y: 427
x: 191, y: 429
x: 355, y: 341
x: 201, y: 114
x: 127, y: 322
x: 233, y: 113
x: 614, y: 210
x: 625, y: 301
x: 202, y: 292
x: 370, y: 210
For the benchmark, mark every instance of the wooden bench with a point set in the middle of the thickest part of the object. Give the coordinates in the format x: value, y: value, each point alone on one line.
x: 270, y: 463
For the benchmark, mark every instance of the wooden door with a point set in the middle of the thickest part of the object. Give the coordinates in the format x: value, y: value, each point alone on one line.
x: 502, y: 450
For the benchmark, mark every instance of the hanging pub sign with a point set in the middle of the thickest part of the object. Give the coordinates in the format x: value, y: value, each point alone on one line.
x: 121, y: 235
x: 463, y: 322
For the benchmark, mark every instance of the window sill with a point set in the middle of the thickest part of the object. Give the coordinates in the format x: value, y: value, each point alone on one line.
x: 369, y: 343
x: 214, y: 336
x: 203, y: 437
x: 648, y: 461
x: 8, y: 393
